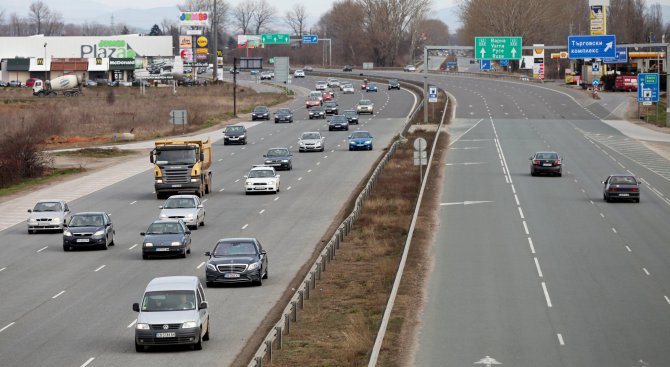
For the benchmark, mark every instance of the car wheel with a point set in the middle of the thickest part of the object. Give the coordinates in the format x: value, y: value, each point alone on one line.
x: 66, y: 248
x: 104, y: 246
x: 139, y: 348
x: 637, y: 200
x: 30, y: 231
x: 209, y: 284
x: 259, y: 282
x: 111, y: 243
x: 351, y: 149
x: 559, y: 174
x: 266, y: 274
x: 206, y: 336
x: 145, y: 257
x: 198, y: 345
x: 202, y: 222
x: 183, y: 255
x: 532, y: 173
x: 370, y: 147
x: 197, y: 225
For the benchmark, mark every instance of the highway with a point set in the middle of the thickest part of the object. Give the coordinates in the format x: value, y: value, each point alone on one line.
x: 540, y: 271
x: 74, y: 308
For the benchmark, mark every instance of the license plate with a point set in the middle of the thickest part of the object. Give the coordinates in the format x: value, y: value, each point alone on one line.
x: 176, y: 185
x: 360, y: 145
x: 82, y: 239
x: 231, y: 275
x: 166, y: 335
x: 546, y: 165
x: 623, y: 194
x: 162, y: 249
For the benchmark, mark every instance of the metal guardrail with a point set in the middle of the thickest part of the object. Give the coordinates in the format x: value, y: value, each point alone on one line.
x: 274, y: 339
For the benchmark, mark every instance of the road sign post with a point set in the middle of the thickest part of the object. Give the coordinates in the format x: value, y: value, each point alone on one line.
x: 592, y: 47
x: 484, y: 64
x: 498, y: 48
x: 420, y: 155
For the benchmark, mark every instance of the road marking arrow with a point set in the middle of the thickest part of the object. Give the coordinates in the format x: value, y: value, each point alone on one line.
x: 609, y: 46
x: 465, y: 203
x: 488, y: 361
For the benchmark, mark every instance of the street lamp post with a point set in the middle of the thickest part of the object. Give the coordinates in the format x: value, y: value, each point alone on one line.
x: 45, y: 62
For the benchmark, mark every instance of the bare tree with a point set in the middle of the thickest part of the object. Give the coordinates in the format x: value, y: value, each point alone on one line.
x: 53, y: 25
x: 18, y: 26
x: 243, y: 15
x: 263, y: 15
x: 296, y: 18
x: 343, y: 24
x: 38, y: 14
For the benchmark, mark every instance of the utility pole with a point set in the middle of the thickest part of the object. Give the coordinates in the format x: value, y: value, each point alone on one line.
x: 215, y: 31
x: 234, y: 86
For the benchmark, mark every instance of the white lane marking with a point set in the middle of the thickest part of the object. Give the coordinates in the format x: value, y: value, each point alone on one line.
x: 200, y: 266
x: 42, y: 249
x: 513, y: 190
x: 516, y: 198
x: 238, y: 180
x: 277, y: 198
x: 233, y: 153
x: 602, y: 215
x: 592, y: 203
x: 628, y: 248
x: 221, y: 190
x: 326, y: 156
x: 262, y: 211
x: 100, y: 268
x: 220, y: 159
x: 131, y: 324
x: 530, y: 243
x: 537, y: 265
x: 133, y: 202
x: 318, y: 163
x: 299, y: 178
x: 546, y: 294
x: 646, y: 271
x: 465, y: 203
x: 666, y: 300
x: 309, y: 170
x: 521, y: 213
x: 245, y: 226
x: 613, y: 229
x: 57, y: 295
x: 560, y: 339
x: 621, y: 165
x: 288, y: 188
x: 132, y: 247
x: 88, y: 362
x: 525, y: 227
x: 3, y: 269
x: 7, y: 327
x: 204, y: 201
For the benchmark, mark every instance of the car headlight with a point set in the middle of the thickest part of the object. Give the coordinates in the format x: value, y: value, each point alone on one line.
x: 163, y: 216
x: 368, y: 141
x: 67, y: 233
x: 268, y: 161
x: 212, y: 267
x: 55, y: 221
x: 142, y: 326
x: 189, y: 325
x: 317, y: 143
x: 189, y: 216
x: 99, y: 232
x: 159, y: 181
x: 175, y: 243
x: 254, y: 266
x: 302, y: 144
x: 194, y: 180
x: 241, y: 136
x: 248, y: 183
x: 284, y: 160
x: 32, y: 220
x: 148, y: 244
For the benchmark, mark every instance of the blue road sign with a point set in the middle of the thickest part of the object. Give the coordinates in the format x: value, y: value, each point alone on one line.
x: 504, y: 63
x: 647, y: 87
x: 591, y: 47
x: 484, y: 64
x: 621, y: 57
x: 310, y: 38
x: 432, y: 94
x: 595, y: 82
x: 595, y: 67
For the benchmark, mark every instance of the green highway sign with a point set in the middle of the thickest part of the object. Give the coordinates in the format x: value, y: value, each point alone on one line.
x: 275, y: 38
x: 498, y: 48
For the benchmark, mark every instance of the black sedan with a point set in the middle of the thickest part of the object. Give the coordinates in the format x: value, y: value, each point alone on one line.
x: 260, y: 113
x: 624, y: 187
x: 317, y: 112
x: 235, y: 134
x: 394, y: 84
x: 352, y: 116
x: 237, y: 260
x: 546, y: 162
x: 348, y: 68
x: 279, y: 158
x: 331, y: 107
x: 166, y: 237
x: 338, y: 122
x: 89, y: 229
x: 283, y: 115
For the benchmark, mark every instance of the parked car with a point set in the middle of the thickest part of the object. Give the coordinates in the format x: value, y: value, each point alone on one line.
x: 330, y: 107
x: 236, y: 260
x: 30, y: 82
x: 235, y: 134
x: 365, y: 106
x: 409, y: 68
x: 4, y: 83
x: 166, y: 237
x: 283, y: 115
x: 394, y: 84
x: 371, y: 87
x: 91, y: 83
x: 360, y: 140
x: 311, y: 141
x: 299, y: 74
x: 338, y: 122
x: 348, y: 68
x: 262, y: 178
x: 279, y: 158
x: 173, y: 310
x: 234, y: 71
x: 48, y: 215
x: 317, y: 112
x: 89, y: 229
x: 140, y: 82
x: 352, y: 116
x: 546, y: 162
x: 260, y: 112
x: 188, y: 208
x: 622, y: 187
x: 15, y: 83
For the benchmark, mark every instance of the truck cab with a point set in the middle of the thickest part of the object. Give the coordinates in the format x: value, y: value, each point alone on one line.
x: 182, y: 166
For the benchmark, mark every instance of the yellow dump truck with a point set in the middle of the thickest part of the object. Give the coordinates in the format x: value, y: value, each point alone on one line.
x: 182, y: 166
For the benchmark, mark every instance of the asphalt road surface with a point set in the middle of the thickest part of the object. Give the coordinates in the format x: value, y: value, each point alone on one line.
x: 74, y: 308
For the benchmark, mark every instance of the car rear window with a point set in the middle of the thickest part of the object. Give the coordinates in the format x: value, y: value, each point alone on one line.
x: 623, y: 180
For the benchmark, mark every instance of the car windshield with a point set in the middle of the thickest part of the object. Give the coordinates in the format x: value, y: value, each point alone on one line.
x: 235, y: 129
x: 623, y: 180
x: 277, y: 153
x: 164, y: 228
x: 546, y: 156
x: 393, y: 81
x: 179, y: 203
x: 310, y: 136
x: 284, y: 111
x: 261, y: 173
x: 350, y: 113
x: 364, y: 102
x: 168, y: 301
x: 52, y: 206
x: 316, y: 109
x: 360, y: 135
x: 260, y: 109
x: 330, y: 104
x: 339, y: 118
x: 93, y: 220
x: 234, y: 249
x: 175, y: 156
x: 320, y: 82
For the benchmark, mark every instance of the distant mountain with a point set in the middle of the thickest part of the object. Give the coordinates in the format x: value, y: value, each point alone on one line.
x: 83, y: 8
x: 142, y: 19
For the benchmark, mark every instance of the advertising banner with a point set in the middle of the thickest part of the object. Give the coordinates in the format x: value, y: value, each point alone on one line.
x: 249, y: 41
x: 538, y: 61
x: 194, y: 18
x: 186, y: 54
x: 185, y: 42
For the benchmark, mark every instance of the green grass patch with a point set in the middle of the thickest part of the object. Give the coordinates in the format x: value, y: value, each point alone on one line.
x: 95, y: 153
x: 32, y: 182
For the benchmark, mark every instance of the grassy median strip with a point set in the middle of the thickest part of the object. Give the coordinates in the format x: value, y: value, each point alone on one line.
x: 95, y: 153
x: 340, y: 320
x: 51, y: 176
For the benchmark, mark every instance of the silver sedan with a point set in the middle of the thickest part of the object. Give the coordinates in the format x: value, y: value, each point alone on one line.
x: 188, y: 208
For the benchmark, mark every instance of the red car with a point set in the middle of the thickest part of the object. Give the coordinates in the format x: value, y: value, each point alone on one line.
x: 328, y: 96
x: 30, y: 82
x: 312, y: 102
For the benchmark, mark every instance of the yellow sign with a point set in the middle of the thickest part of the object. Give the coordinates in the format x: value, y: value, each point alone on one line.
x: 202, y: 41
x: 98, y: 61
x: 40, y: 61
x: 555, y: 55
x: 201, y: 51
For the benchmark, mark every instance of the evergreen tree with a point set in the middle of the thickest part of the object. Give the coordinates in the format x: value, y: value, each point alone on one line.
x: 156, y: 31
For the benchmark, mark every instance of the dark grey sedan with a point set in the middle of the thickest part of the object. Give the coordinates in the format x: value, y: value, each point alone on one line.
x: 166, y: 237
x: 89, y: 229
x: 237, y: 260
x: 338, y: 122
x: 546, y: 162
x: 235, y: 134
x: 621, y: 187
x: 317, y: 112
x: 279, y: 158
x: 260, y: 113
x: 352, y: 116
x: 283, y: 115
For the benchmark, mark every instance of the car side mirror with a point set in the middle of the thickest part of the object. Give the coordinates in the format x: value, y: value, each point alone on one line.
x: 188, y: 231
x: 160, y: 207
x: 143, y: 233
x: 207, y: 253
x: 265, y: 155
x: 200, y: 206
x: 278, y: 176
x: 246, y: 176
x: 263, y: 252
x: 602, y: 182
x: 136, y: 307
x: 203, y: 305
x: 349, y: 137
x: 30, y: 210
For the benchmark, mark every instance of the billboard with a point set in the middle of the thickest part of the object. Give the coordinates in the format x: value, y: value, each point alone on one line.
x: 185, y: 42
x: 194, y: 18
x: 186, y: 54
x: 249, y: 41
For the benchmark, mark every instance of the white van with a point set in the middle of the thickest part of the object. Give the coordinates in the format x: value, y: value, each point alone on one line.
x: 173, y: 311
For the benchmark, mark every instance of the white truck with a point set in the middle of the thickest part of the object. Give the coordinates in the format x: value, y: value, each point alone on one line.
x: 68, y: 85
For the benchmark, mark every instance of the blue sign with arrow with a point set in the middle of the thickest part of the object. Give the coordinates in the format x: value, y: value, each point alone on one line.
x: 621, y: 57
x: 310, y: 38
x: 592, y: 47
x: 484, y: 64
x: 647, y: 87
x: 504, y: 63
